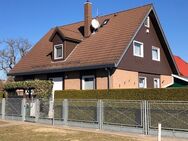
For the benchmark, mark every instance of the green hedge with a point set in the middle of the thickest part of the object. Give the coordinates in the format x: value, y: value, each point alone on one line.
x: 42, y: 88
x: 1, y: 94
x: 175, y: 94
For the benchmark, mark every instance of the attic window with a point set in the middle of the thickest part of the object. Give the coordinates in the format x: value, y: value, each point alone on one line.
x: 58, y: 51
x: 138, y: 49
x: 155, y: 53
x: 147, y: 22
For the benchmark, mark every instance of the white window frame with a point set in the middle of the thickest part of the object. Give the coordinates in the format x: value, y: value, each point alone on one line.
x: 158, y: 81
x: 145, y: 79
x: 147, y: 22
x: 158, y: 55
x: 142, y: 49
x: 83, y: 81
x: 55, y: 51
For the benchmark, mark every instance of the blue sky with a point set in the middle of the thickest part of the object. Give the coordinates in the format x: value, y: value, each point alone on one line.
x: 31, y: 19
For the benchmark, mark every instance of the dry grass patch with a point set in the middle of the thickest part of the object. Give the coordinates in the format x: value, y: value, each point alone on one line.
x: 3, y: 123
x: 42, y: 133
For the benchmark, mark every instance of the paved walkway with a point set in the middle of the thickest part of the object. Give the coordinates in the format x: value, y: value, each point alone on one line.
x: 139, y: 137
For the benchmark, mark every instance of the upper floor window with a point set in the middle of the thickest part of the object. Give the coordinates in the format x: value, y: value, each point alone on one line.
x: 88, y: 82
x: 142, y: 82
x: 147, y: 22
x: 156, y: 83
x: 138, y: 49
x: 156, y: 54
x: 58, y: 51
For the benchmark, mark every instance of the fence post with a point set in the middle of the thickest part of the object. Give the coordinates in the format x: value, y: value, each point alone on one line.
x: 100, y: 113
x: 51, y: 110
x: 148, y: 116
x: 145, y: 117
x: 23, y: 109
x: 3, y: 108
x: 37, y: 110
x: 65, y: 111
x: 159, y: 131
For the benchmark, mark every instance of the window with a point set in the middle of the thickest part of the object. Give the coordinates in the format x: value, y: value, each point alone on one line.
x: 156, y: 82
x: 88, y: 82
x: 58, y: 51
x: 138, y: 49
x: 155, y: 54
x: 105, y: 22
x: 142, y: 82
x: 147, y: 22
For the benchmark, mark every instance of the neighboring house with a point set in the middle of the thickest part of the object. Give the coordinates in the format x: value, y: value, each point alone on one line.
x: 182, y: 66
x: 129, y: 50
x: 182, y: 79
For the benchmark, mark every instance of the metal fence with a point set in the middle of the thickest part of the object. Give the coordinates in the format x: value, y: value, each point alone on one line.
x: 119, y: 115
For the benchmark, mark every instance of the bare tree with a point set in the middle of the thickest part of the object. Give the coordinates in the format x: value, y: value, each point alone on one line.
x: 11, y: 51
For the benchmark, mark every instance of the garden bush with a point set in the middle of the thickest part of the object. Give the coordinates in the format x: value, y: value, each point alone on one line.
x: 42, y: 88
x: 1, y: 94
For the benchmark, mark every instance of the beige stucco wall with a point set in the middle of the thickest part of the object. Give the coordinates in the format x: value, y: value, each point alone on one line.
x: 124, y: 79
x: 166, y: 80
x: 101, y: 78
x: 72, y: 81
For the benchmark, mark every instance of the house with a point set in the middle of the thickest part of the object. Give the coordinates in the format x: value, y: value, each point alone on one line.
x: 182, y: 66
x: 182, y: 79
x: 127, y: 49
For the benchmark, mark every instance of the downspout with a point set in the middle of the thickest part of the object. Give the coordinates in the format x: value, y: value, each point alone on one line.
x: 108, y: 80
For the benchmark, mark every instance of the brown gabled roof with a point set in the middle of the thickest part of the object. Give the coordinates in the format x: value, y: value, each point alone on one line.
x: 105, y: 47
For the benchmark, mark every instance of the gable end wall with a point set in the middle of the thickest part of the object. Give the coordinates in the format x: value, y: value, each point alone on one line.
x: 146, y: 64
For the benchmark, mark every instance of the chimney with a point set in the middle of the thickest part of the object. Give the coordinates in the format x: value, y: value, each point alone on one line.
x: 87, y: 18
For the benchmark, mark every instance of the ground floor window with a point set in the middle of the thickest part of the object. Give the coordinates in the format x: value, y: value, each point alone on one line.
x: 142, y: 82
x: 88, y: 82
x: 156, y: 82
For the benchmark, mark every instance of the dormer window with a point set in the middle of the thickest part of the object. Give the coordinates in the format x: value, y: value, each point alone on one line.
x: 147, y: 22
x: 58, y: 51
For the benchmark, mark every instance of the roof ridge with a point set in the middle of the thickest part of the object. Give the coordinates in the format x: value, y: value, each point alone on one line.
x: 150, y: 4
x: 69, y: 30
x: 122, y: 11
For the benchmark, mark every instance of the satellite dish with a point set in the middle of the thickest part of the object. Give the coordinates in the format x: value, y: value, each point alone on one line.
x: 95, y: 24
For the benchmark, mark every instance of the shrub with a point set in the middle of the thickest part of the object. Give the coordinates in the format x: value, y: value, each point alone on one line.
x: 174, y: 94
x: 1, y: 94
x: 42, y: 88
x: 1, y: 86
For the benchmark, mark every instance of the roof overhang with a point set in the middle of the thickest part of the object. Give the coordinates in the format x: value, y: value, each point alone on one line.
x: 56, y: 70
x: 180, y: 77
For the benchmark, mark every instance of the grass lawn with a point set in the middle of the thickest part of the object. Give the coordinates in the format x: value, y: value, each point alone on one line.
x: 27, y: 132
